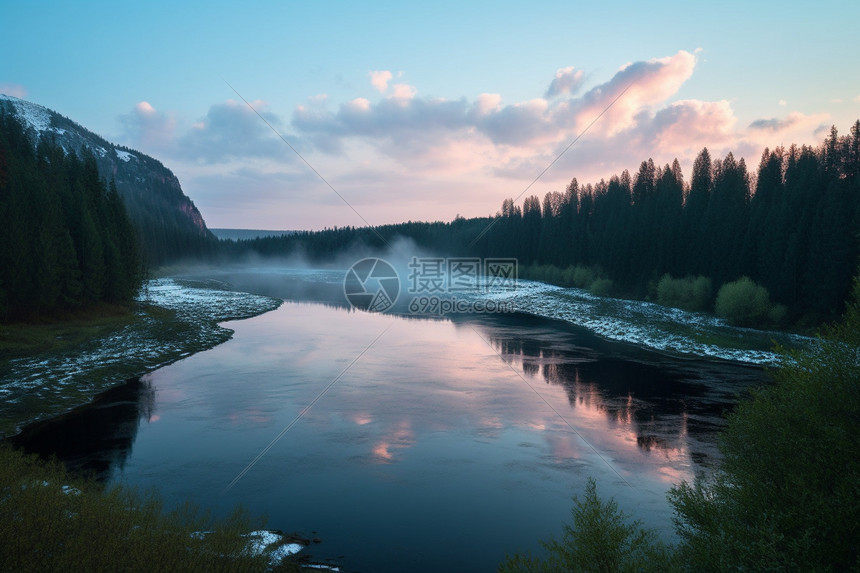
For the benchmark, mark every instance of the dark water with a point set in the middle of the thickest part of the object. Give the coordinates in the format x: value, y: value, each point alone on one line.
x: 429, y: 445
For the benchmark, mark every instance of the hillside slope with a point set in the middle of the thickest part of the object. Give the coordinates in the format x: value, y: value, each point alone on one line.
x: 168, y: 224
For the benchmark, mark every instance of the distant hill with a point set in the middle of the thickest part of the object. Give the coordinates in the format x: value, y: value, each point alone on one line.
x: 168, y: 224
x: 247, y: 234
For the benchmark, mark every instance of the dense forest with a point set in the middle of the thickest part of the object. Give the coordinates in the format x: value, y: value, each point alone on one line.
x: 791, y: 228
x: 67, y: 240
x: 169, y: 227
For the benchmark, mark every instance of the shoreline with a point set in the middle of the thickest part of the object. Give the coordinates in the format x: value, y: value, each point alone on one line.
x: 196, y: 311
x: 174, y: 319
x: 206, y: 304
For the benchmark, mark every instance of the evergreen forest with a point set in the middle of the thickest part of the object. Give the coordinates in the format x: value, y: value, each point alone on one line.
x: 67, y: 240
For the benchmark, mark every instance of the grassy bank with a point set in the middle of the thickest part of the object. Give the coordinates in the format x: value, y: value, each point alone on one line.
x: 59, y: 333
x: 53, y: 521
x: 49, y: 368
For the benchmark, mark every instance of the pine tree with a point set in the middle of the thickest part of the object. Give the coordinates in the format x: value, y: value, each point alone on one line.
x: 666, y: 251
x: 695, y: 206
x: 725, y: 220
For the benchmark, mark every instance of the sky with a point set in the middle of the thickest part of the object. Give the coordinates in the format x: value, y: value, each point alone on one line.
x: 394, y: 111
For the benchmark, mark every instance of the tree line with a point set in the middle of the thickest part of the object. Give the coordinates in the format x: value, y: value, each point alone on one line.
x: 66, y: 239
x: 790, y: 227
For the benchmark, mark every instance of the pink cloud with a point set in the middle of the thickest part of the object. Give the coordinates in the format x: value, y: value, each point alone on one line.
x: 793, y: 127
x: 359, y: 104
x: 408, y: 156
x: 648, y: 84
x: 228, y: 132
x: 566, y: 81
x: 14, y: 90
x: 523, y: 124
x: 685, y: 127
x: 487, y: 104
x: 403, y: 91
x: 379, y: 79
x: 147, y: 128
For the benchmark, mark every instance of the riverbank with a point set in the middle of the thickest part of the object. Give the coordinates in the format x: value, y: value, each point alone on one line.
x: 49, y: 369
x: 283, y: 351
x: 650, y: 325
x: 120, y: 528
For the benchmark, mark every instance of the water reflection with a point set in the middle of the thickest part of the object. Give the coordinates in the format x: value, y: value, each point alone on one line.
x: 659, y: 402
x: 428, y: 440
x: 95, y: 439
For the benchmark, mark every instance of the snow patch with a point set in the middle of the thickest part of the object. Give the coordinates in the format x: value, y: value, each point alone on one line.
x: 64, y: 377
x: 647, y: 324
x: 33, y: 115
x: 124, y: 155
x: 262, y: 542
x: 285, y: 550
x: 261, y: 539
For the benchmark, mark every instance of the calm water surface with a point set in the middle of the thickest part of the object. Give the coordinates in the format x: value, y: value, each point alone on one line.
x: 429, y: 445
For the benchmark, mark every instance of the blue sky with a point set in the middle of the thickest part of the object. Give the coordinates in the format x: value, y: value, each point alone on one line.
x: 428, y: 110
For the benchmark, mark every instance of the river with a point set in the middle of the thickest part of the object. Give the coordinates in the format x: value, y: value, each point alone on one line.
x: 409, y: 443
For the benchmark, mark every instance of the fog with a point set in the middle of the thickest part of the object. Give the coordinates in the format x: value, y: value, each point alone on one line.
x: 298, y: 277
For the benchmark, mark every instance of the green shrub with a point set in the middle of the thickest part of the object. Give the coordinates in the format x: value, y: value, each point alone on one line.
x: 578, y: 276
x: 744, y: 303
x: 567, y: 276
x: 689, y: 293
x: 787, y: 496
x: 51, y: 521
x: 583, y: 277
x: 777, y: 313
x: 601, y: 539
x: 601, y: 287
x: 551, y: 274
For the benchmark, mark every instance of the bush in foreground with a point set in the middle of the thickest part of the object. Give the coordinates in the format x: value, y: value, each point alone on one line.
x: 601, y: 539
x: 787, y: 496
x: 50, y: 521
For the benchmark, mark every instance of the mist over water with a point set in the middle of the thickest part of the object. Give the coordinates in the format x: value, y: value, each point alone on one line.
x: 430, y: 445
x: 646, y: 324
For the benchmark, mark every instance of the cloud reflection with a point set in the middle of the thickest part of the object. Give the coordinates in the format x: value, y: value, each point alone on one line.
x: 436, y: 386
x: 393, y: 442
